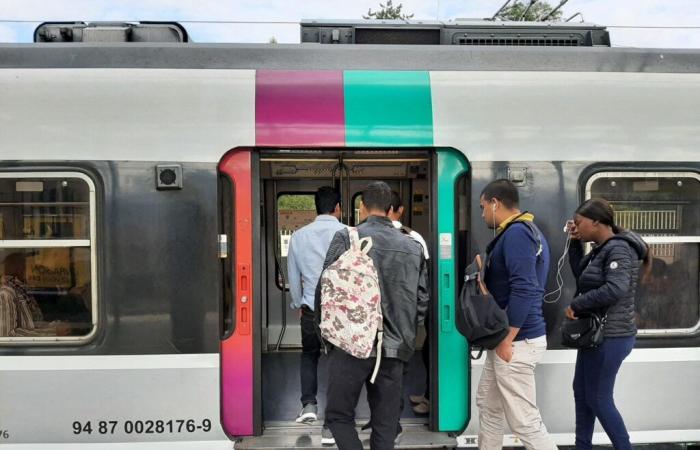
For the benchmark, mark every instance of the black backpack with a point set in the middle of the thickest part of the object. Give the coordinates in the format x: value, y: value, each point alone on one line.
x: 478, y: 316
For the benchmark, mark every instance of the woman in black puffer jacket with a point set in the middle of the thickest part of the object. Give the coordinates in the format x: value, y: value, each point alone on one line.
x: 606, y: 281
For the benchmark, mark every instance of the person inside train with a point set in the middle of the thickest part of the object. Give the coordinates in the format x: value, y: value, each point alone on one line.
x: 421, y: 401
x: 307, y: 251
x: 20, y: 314
x: 607, y: 279
x: 516, y: 275
x: 402, y: 273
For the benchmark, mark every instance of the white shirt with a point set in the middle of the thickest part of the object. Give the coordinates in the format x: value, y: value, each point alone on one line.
x: 415, y: 236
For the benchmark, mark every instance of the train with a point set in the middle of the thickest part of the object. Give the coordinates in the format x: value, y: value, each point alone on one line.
x: 149, y: 189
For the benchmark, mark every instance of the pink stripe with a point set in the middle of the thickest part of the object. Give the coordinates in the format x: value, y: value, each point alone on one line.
x: 296, y: 108
x: 237, y: 387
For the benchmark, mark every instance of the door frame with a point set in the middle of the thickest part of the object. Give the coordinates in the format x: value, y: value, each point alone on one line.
x: 239, y: 350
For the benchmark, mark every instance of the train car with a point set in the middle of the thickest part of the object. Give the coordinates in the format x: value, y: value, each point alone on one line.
x: 148, y: 192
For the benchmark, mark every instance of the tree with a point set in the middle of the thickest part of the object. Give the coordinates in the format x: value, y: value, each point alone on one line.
x: 272, y: 40
x: 296, y: 202
x: 535, y: 13
x: 388, y: 11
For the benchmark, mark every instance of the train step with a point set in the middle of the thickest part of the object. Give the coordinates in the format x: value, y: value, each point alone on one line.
x: 292, y: 435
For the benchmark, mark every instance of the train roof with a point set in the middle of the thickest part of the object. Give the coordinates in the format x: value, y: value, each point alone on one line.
x: 346, y: 57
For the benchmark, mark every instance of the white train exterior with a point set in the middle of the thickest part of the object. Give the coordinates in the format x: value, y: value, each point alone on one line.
x: 565, y: 123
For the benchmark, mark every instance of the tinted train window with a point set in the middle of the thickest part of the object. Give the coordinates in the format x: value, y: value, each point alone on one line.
x: 47, y: 232
x: 293, y: 212
x: 664, y: 209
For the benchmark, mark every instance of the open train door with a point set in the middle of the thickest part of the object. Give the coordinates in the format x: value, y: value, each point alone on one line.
x: 450, y: 384
x: 239, y: 358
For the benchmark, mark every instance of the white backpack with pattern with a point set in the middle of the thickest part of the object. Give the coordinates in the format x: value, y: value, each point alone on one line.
x: 351, y: 309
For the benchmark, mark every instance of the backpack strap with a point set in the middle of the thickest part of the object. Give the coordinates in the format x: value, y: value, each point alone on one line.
x: 380, y: 338
x: 380, y: 335
x: 364, y: 245
x: 535, y: 233
x: 527, y: 223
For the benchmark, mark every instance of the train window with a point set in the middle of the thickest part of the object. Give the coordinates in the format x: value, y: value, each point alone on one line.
x: 293, y: 212
x: 47, y: 258
x: 356, y: 207
x: 663, y: 208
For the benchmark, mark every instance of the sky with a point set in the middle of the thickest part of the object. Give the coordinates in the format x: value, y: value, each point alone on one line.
x: 611, y: 13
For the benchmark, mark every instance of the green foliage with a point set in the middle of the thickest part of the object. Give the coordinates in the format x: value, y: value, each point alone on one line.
x: 540, y: 9
x: 388, y: 11
x: 296, y: 202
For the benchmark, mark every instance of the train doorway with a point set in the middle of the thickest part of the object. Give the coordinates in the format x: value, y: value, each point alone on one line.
x: 261, y: 338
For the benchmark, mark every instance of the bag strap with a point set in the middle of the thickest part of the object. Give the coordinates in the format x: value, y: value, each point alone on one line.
x: 363, y: 245
x: 527, y: 223
x: 535, y: 233
x: 354, y: 237
x: 380, y: 339
x: 380, y: 335
x: 481, y: 276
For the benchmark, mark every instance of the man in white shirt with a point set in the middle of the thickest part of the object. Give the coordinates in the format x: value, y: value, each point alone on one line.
x: 395, y: 214
x: 307, y: 252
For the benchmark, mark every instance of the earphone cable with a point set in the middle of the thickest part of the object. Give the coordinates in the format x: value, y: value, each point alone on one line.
x: 559, y: 277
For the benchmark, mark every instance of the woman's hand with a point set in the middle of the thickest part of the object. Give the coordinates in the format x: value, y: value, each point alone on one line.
x: 570, y: 314
x: 572, y: 230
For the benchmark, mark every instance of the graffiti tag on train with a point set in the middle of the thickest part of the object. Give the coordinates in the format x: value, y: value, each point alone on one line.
x: 171, y: 426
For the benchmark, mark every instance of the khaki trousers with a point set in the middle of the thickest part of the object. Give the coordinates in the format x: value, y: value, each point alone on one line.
x: 507, y: 393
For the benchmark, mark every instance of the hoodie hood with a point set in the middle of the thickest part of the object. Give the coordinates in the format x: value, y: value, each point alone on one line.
x: 635, y: 241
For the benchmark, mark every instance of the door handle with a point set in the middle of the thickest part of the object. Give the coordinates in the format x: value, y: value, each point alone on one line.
x: 446, y: 297
x: 243, y: 305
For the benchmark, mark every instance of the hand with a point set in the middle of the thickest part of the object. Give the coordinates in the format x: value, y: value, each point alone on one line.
x: 572, y: 230
x: 570, y: 314
x: 505, y: 350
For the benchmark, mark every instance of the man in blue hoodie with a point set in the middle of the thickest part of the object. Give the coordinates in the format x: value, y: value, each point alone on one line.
x: 516, y: 276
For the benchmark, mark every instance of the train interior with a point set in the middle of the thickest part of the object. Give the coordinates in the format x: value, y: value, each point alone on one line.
x: 288, y: 182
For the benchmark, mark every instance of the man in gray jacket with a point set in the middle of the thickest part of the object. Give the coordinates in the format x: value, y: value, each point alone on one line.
x: 402, y: 273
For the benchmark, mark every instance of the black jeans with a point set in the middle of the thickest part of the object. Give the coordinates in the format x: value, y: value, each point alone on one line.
x: 310, y: 352
x: 346, y: 376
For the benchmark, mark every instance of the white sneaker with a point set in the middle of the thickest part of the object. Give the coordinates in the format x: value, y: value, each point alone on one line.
x: 308, y: 414
x: 327, y: 437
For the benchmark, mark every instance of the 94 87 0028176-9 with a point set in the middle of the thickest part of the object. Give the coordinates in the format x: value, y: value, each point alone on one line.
x: 160, y: 426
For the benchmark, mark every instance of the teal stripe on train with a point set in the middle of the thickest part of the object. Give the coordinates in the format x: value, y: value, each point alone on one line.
x: 388, y: 109
x: 394, y: 109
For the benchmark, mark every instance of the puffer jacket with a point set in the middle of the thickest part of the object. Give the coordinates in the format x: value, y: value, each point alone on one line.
x: 403, y: 282
x: 607, y: 279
